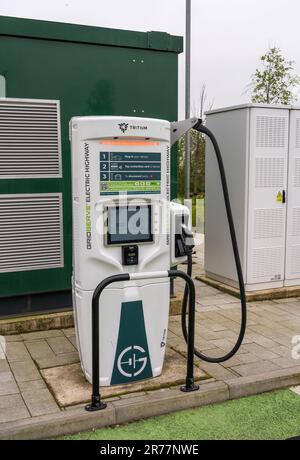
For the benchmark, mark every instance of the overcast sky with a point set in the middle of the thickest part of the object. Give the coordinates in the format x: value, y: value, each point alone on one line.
x: 227, y: 40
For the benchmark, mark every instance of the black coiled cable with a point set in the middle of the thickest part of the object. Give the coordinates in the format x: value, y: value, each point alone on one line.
x: 203, y: 129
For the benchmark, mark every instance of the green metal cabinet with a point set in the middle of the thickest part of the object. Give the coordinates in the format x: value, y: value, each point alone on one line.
x: 91, y: 71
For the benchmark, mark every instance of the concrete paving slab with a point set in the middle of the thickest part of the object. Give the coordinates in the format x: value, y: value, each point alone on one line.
x: 57, y: 360
x: 60, y: 345
x: 12, y: 407
x: 69, y: 332
x: 8, y: 384
x: 40, y: 402
x: 73, y: 341
x: 25, y: 371
x: 39, y: 349
x: 16, y: 351
x: 32, y: 385
x: 255, y: 368
x: 29, y: 336
x: 69, y: 386
x: 4, y: 366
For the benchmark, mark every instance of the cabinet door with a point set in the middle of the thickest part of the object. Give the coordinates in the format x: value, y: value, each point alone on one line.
x: 292, y: 265
x: 268, y: 157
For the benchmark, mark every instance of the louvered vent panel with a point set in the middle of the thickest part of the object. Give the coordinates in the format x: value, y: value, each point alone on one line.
x: 267, y: 262
x: 297, y: 133
x: 30, y: 232
x: 269, y: 172
x: 29, y: 139
x: 268, y: 223
x: 295, y: 230
x: 297, y: 173
x: 271, y: 132
x: 295, y: 259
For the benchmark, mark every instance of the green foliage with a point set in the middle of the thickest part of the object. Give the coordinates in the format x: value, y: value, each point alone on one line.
x: 275, y: 82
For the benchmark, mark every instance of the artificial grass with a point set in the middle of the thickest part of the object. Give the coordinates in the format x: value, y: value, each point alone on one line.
x: 274, y: 415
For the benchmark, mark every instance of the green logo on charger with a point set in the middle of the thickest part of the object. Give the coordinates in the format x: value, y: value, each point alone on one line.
x: 132, y: 360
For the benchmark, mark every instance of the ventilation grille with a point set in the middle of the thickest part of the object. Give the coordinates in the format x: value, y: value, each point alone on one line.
x: 269, y: 172
x: 29, y: 139
x: 267, y: 263
x: 268, y: 223
x: 297, y: 173
x: 295, y: 259
x: 30, y: 232
x: 295, y: 230
x: 271, y: 132
x: 297, y: 133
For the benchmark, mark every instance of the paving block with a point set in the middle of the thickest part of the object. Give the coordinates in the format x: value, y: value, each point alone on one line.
x: 25, y: 371
x: 286, y: 362
x: 69, y: 332
x: 260, y: 367
x: 246, y: 358
x: 16, y: 351
x: 73, y: 341
x: 60, y: 345
x: 39, y: 349
x: 217, y: 371
x: 8, y: 384
x: 283, y: 340
x: 258, y: 350
x: 57, y: 360
x: 268, y: 381
x: 12, y: 407
x: 13, y: 338
x: 32, y: 385
x: 4, y: 366
x: 265, y: 342
x: 282, y: 351
x: 29, y: 336
x: 40, y: 402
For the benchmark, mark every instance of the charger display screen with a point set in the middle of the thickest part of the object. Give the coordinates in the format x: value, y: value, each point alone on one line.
x: 129, y: 224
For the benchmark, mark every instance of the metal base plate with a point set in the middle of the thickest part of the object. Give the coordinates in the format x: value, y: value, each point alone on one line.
x: 189, y: 389
x: 95, y: 407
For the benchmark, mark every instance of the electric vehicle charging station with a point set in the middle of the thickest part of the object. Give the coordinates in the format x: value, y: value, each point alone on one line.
x: 126, y: 236
x: 121, y: 206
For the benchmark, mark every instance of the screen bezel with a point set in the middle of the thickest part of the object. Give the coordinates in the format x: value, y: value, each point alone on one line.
x: 109, y: 242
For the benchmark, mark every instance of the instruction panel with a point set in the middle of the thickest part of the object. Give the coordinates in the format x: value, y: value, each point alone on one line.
x: 130, y: 172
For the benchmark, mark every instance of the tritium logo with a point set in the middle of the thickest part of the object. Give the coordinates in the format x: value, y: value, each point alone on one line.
x: 123, y: 127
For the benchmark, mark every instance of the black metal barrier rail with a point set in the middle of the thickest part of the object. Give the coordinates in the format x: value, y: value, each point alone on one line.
x: 96, y: 403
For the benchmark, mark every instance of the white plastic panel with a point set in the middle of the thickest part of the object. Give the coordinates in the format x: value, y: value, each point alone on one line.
x: 31, y: 236
x: 292, y: 265
x: 30, y: 144
x: 268, y: 157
